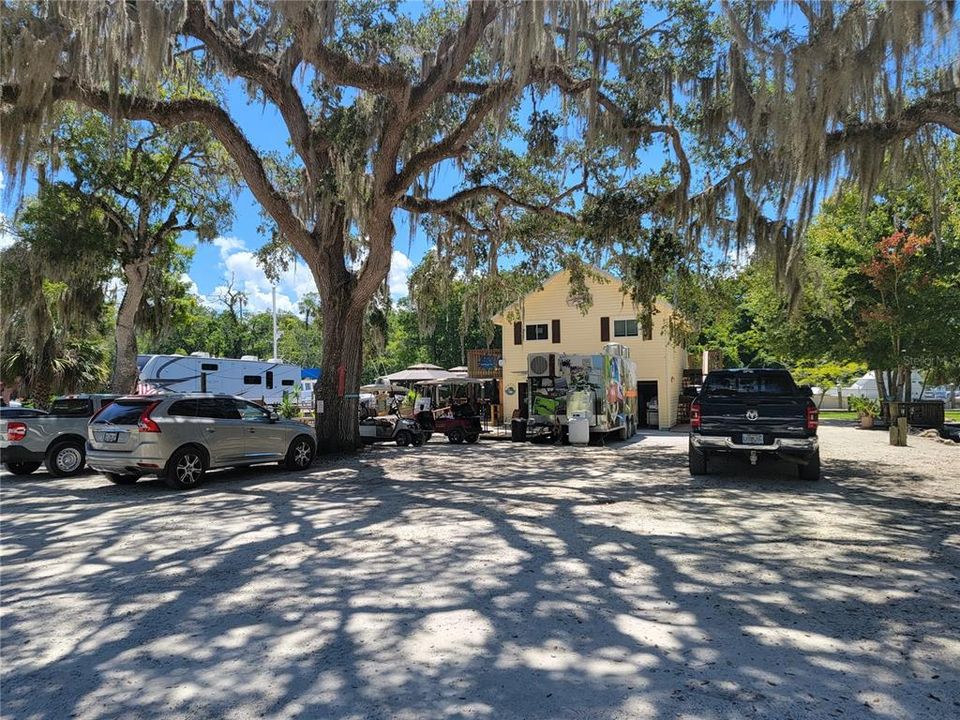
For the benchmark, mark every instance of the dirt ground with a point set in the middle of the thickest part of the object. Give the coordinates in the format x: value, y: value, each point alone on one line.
x: 493, y: 581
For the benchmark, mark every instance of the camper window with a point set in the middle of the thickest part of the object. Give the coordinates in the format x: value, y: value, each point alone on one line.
x: 269, y: 379
x: 212, y: 367
x: 252, y: 380
x: 287, y: 383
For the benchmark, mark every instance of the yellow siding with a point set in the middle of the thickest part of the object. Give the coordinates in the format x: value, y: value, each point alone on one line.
x: 656, y: 359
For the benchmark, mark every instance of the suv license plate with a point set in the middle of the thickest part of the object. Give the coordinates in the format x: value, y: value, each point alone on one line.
x: 752, y: 439
x: 112, y: 437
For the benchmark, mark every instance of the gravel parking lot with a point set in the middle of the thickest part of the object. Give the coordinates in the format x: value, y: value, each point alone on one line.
x: 492, y: 581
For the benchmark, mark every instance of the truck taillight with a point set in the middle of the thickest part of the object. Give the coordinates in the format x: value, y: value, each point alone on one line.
x: 813, y: 416
x: 146, y: 423
x: 695, y: 415
x: 16, y: 431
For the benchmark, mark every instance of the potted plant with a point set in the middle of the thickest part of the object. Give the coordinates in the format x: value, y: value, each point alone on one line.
x: 867, y: 410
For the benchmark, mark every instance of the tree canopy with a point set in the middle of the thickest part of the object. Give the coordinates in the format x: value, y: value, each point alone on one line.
x: 570, y: 126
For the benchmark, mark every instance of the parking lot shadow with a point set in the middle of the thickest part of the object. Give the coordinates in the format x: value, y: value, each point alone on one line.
x: 496, y: 582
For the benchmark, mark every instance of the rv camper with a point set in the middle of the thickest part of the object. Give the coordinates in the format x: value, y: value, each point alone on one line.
x: 598, y: 390
x: 247, y: 377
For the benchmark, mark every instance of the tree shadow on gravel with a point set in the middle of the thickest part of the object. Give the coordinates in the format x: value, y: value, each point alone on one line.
x: 495, y: 582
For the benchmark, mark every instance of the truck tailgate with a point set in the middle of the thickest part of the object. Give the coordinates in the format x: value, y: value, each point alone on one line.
x: 783, y: 417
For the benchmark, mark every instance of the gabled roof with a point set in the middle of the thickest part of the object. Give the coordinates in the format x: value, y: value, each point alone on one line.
x: 499, y: 317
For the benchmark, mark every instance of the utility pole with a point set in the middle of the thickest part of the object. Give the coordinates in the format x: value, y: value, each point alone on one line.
x: 274, y: 322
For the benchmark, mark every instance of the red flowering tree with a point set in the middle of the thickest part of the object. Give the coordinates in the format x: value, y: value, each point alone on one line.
x: 900, y: 308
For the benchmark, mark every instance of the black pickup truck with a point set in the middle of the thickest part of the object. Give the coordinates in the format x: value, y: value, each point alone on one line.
x: 753, y: 412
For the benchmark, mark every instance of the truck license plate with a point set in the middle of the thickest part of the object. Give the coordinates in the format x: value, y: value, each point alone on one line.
x: 109, y: 437
x: 752, y: 439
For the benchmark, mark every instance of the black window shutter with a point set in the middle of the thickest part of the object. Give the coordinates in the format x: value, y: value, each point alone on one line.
x: 604, y: 329
x: 518, y: 333
x: 555, y: 330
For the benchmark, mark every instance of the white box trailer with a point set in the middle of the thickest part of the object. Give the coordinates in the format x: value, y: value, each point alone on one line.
x: 247, y: 377
x: 601, y: 388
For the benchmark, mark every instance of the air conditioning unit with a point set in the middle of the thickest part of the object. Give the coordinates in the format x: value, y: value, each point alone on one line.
x: 540, y: 365
x: 200, y: 354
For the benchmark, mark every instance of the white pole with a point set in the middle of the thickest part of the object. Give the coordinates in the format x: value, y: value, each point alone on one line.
x: 274, y: 321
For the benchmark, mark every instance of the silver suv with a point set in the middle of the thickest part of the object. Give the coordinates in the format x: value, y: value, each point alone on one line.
x: 180, y: 436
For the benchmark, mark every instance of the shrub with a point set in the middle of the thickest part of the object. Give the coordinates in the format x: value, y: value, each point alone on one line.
x: 865, y: 406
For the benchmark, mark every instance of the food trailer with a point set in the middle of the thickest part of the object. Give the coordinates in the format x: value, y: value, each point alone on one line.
x: 597, y: 391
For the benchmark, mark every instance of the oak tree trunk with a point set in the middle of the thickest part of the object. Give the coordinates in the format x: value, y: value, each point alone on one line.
x: 337, y: 390
x: 125, y: 373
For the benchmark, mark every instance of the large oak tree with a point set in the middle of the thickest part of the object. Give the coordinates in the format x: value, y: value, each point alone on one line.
x: 375, y: 99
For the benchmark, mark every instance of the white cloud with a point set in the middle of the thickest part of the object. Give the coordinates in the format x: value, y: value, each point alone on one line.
x: 227, y: 245
x: 239, y: 266
x: 400, y: 266
x: 192, y: 288
x: 7, y: 238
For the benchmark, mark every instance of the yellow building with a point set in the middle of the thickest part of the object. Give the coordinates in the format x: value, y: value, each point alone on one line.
x: 544, y: 321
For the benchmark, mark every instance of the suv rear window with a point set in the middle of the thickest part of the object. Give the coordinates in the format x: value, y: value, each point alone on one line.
x: 747, y: 382
x: 72, y: 407
x: 122, y: 412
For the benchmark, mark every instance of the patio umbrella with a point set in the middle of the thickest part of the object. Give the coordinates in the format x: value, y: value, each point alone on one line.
x: 417, y: 373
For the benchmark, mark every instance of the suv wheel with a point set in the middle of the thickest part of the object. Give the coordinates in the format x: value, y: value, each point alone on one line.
x: 455, y: 436
x: 697, y: 460
x: 811, y: 471
x: 404, y: 438
x: 300, y: 454
x: 185, y: 469
x: 65, y: 458
x: 118, y: 479
x: 22, y: 468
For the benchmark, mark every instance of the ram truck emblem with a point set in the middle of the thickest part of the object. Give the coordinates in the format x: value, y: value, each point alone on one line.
x: 752, y: 415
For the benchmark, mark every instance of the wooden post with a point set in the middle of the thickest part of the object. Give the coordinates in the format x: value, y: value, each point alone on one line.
x: 898, y: 426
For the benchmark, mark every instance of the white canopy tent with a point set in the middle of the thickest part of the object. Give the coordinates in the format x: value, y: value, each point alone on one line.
x: 418, y: 373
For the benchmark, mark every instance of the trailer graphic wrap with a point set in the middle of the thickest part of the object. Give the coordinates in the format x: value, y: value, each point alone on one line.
x: 597, y: 387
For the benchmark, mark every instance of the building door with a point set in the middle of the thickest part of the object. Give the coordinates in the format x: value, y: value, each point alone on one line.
x: 646, y: 391
x: 522, y: 398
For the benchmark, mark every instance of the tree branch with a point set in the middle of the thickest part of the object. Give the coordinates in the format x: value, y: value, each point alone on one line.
x: 571, y: 86
x: 336, y: 66
x: 454, y: 142
x: 275, y: 79
x: 452, y: 56
x: 179, y: 112
x: 928, y: 111
x: 427, y: 205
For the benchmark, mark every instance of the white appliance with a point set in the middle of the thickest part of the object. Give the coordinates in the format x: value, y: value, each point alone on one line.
x: 578, y: 428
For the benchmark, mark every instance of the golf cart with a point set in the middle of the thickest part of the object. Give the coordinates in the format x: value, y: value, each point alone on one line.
x: 384, y: 428
x: 455, y: 417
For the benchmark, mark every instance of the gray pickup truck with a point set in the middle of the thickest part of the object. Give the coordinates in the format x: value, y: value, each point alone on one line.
x: 56, y: 439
